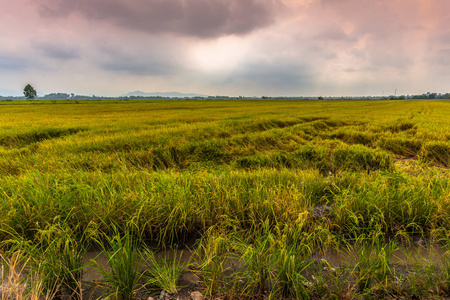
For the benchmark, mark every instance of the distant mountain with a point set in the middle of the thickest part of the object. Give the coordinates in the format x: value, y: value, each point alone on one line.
x: 167, y: 94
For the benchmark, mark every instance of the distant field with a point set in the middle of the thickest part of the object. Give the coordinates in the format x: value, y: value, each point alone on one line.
x: 321, y: 175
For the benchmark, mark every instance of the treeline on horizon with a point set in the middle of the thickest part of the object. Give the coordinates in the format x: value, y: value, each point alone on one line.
x: 66, y: 96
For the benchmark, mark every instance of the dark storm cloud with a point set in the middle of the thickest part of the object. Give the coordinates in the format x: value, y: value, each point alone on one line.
x: 56, y: 51
x: 196, y: 18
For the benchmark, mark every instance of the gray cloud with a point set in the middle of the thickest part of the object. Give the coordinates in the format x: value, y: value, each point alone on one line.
x: 438, y: 46
x: 57, y: 51
x: 147, y: 64
x: 13, y: 63
x: 280, y: 77
x: 195, y: 18
x: 440, y: 58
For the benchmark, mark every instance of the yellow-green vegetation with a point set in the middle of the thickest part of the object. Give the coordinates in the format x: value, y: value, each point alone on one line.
x: 270, y: 184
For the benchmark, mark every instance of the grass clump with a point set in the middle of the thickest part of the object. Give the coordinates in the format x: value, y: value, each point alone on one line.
x: 292, y: 258
x: 401, y: 125
x: 258, y: 263
x: 163, y: 272
x: 326, y: 158
x: 372, y: 269
x: 213, y: 262
x: 437, y: 153
x: 121, y: 252
x: 54, y: 260
x: 406, y: 147
x: 352, y: 136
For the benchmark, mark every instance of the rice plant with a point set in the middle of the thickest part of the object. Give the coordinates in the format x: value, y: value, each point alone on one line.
x: 292, y: 258
x: 259, y: 261
x: 373, y: 263
x: 163, y: 272
x: 210, y: 259
x: 121, y: 252
x: 12, y: 271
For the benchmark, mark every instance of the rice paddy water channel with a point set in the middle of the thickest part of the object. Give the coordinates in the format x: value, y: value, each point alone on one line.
x: 403, y: 261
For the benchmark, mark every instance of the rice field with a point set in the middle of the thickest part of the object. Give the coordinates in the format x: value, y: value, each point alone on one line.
x: 273, y: 199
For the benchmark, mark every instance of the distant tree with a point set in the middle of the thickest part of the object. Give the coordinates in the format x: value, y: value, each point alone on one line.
x: 55, y: 96
x: 29, y: 92
x: 320, y: 98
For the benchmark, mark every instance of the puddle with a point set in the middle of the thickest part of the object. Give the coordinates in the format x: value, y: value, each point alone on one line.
x: 93, y: 259
x: 411, y: 255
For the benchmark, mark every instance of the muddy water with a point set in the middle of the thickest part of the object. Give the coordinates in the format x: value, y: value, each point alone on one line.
x: 411, y: 255
x: 93, y: 259
x: 407, y: 256
x: 404, y: 256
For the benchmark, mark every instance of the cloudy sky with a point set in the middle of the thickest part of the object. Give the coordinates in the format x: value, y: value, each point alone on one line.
x: 226, y: 47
